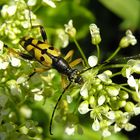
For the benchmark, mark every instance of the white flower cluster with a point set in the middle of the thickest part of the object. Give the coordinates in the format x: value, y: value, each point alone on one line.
x: 16, y: 18
x: 104, y: 101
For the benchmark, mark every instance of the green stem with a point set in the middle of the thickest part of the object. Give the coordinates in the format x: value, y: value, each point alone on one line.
x: 98, y: 52
x: 114, y: 66
x: 116, y: 51
x: 130, y: 91
x: 116, y: 74
x: 81, y: 52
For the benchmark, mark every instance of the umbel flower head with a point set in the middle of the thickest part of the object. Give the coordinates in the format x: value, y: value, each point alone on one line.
x: 107, y: 103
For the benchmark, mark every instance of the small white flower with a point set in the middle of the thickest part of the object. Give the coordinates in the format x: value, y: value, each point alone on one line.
x: 101, y: 100
x: 106, y: 132
x: 25, y: 24
x: 136, y: 67
x: 95, y: 34
x: 11, y: 34
x: 15, y: 89
x: 69, y: 26
x: 50, y: 3
x: 132, y: 83
x: 94, y: 30
x: 36, y: 90
x: 63, y: 37
x: 110, y: 115
x: 129, y: 127
x: 96, y: 125
x: 84, y: 91
x: 26, y: 15
x: 12, y: 10
x: 116, y: 128
x: 136, y: 110
x: 131, y: 38
x: 31, y: 2
x: 3, y: 65
x: 104, y: 77
x: 92, y: 61
x: 15, y: 62
x: 128, y: 72
x: 38, y: 94
x: 69, y: 29
x: 125, y: 118
x: 38, y: 97
x: 26, y: 111
x: 70, y: 130
x: 1, y: 46
x: 8, y: 10
x: 24, y: 130
x: 127, y: 40
x: 21, y: 79
x: 69, y: 99
x: 83, y: 107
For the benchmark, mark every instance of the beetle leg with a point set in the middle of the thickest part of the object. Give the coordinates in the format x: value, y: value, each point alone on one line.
x: 64, y: 81
x: 69, y: 55
x: 42, y: 31
x: 37, y: 70
x: 75, y: 62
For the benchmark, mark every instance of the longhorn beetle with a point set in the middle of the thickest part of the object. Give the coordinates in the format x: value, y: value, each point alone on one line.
x: 50, y: 58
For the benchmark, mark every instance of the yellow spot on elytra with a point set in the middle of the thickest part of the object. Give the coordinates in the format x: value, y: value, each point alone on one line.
x: 29, y: 47
x: 34, y: 41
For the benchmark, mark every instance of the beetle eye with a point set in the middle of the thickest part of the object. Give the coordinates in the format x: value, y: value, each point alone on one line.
x: 79, y: 80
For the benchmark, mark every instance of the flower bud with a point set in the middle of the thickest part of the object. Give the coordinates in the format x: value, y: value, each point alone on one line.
x: 129, y: 107
x: 122, y: 103
x: 124, y: 95
x: 112, y: 90
x: 127, y: 40
x: 95, y: 34
x: 101, y: 100
x: 92, y: 101
x: 92, y: 61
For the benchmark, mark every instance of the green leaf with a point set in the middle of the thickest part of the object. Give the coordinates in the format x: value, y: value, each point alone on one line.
x: 66, y: 10
x: 128, y: 10
x: 3, y: 135
x: 3, y: 100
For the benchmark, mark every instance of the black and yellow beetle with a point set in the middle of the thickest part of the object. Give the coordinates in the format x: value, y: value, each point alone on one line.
x: 50, y: 57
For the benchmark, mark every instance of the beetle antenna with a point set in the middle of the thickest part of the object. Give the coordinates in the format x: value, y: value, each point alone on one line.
x: 52, y: 116
x: 104, y: 63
